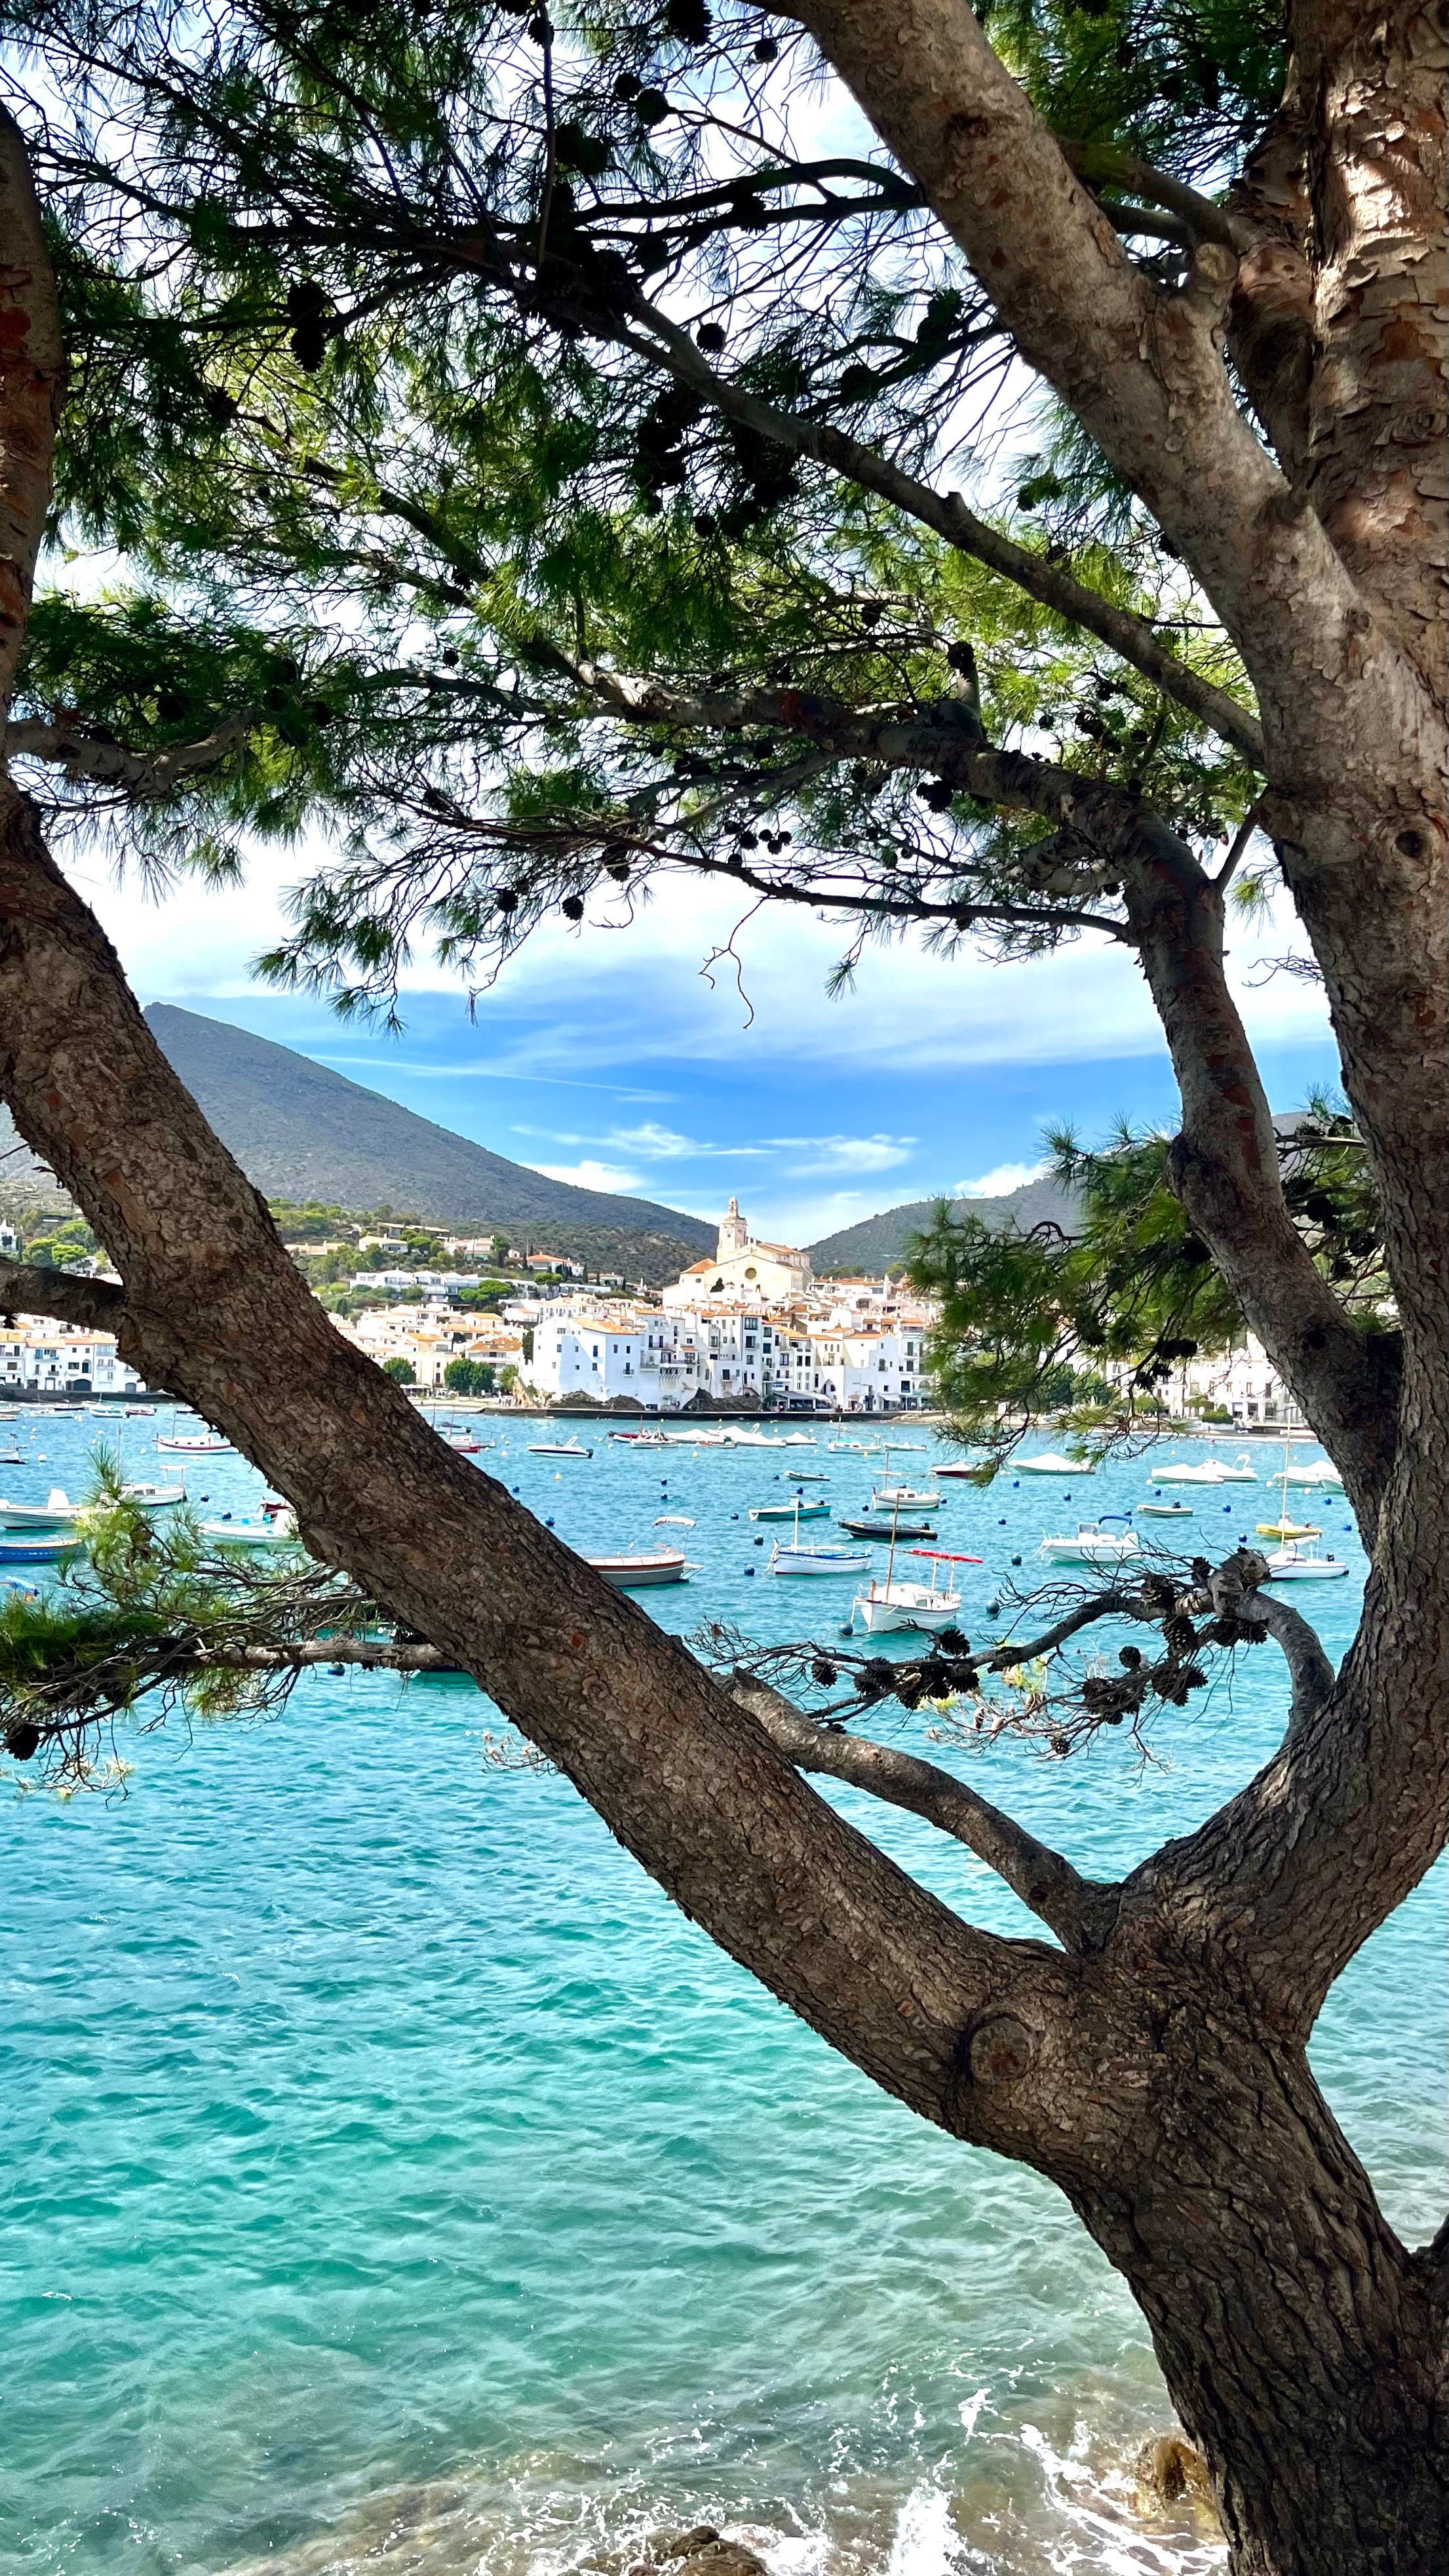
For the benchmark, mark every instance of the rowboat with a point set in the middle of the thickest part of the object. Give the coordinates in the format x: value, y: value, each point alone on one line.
x: 791, y: 1559
x: 638, y: 1571
x: 1091, y: 1546
x: 863, y: 1528
x: 20, y: 1547
x: 1164, y: 1511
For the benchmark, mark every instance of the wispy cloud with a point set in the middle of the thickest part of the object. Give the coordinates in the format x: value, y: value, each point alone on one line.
x: 846, y: 1153
x: 1001, y: 1178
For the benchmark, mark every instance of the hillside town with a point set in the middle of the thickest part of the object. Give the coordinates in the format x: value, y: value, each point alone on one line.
x: 751, y: 1329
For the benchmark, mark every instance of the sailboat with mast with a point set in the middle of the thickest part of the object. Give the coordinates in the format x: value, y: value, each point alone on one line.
x: 884, y: 1607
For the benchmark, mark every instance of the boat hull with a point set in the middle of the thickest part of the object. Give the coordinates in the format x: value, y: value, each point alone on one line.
x: 639, y: 1573
x: 820, y: 1561
x: 905, y: 1605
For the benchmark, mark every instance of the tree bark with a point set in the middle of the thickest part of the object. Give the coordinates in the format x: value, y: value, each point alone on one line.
x: 1304, y: 2347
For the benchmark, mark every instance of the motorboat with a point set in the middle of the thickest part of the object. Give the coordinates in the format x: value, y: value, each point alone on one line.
x: 639, y: 1439
x: 195, y: 1444
x: 797, y: 1509
x: 558, y: 1449
x: 1092, y: 1546
x: 154, y: 1498
x: 798, y: 1440
x: 884, y: 1607
x: 641, y: 1568
x: 58, y: 1513
x: 274, y: 1526
x: 788, y: 1558
x: 855, y: 1447
x: 1164, y: 1511
x: 34, y: 1547
x: 1299, y: 1564
x: 905, y: 1498
x: 957, y: 1468
x: 1051, y: 1463
x: 806, y: 1476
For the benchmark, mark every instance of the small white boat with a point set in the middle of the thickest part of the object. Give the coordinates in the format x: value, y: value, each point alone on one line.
x: 274, y: 1526
x: 883, y: 1607
x: 792, y: 1559
x: 906, y: 1498
x: 857, y: 1446
x: 957, y: 1469
x: 1297, y: 1564
x: 558, y: 1449
x: 1164, y: 1511
x: 639, y: 1439
x: 674, y: 1520
x: 1051, y: 1463
x: 642, y: 1568
x: 1092, y: 1546
x: 195, y: 1444
x: 1211, y: 1472
x: 58, y: 1513
x: 154, y: 1498
x: 1317, y: 1471
x: 1241, y: 1472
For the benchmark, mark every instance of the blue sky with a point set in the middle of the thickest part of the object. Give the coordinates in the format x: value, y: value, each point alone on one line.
x: 608, y: 1057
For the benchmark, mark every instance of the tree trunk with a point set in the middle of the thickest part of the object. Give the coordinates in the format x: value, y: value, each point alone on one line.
x: 1304, y: 2347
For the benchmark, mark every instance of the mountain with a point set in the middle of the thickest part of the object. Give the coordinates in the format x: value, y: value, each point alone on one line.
x: 882, y: 1242
x: 301, y: 1132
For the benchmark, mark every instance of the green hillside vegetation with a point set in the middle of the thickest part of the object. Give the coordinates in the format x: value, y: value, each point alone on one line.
x: 321, y: 1145
x: 888, y: 1241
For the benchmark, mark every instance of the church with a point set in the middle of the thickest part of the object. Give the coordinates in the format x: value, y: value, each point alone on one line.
x: 742, y: 1271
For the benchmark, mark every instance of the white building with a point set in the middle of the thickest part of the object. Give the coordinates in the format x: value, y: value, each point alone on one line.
x: 46, y: 1358
x: 760, y: 1273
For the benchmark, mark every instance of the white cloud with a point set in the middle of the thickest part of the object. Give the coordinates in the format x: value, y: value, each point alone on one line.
x: 1001, y: 1178
x: 590, y: 1176
x: 847, y: 1153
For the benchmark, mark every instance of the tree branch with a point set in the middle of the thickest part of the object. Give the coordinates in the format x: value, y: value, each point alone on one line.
x: 689, y: 1782
x: 1224, y: 1167
x: 29, y: 1291
x: 32, y: 384
x: 84, y: 753
x: 1080, y: 1911
x: 1132, y: 637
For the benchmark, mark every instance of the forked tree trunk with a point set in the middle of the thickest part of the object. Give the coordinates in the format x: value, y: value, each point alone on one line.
x: 1304, y: 2347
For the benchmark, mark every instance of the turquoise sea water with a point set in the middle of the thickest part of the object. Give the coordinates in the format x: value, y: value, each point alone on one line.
x: 393, y: 2177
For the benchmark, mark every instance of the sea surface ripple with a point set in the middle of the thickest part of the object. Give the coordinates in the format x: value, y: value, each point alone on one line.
x: 395, y: 2179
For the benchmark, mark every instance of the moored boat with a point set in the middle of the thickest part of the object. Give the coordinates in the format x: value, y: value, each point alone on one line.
x: 1052, y: 1463
x: 58, y: 1513
x: 905, y: 1498
x: 640, y: 1569
x: 863, y: 1528
x: 558, y: 1449
x: 154, y: 1498
x: 788, y: 1557
x: 1164, y: 1511
x: 34, y: 1547
x: 1092, y: 1546
x: 796, y: 1509
x: 1298, y: 1564
x: 195, y: 1444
